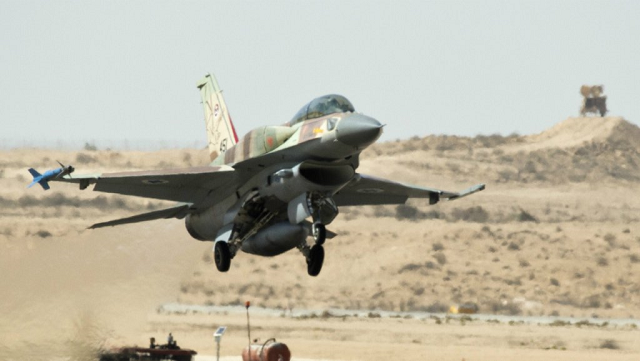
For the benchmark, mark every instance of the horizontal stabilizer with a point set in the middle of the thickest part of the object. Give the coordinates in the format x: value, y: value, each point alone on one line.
x: 34, y: 173
x: 45, y: 185
x: 179, y: 211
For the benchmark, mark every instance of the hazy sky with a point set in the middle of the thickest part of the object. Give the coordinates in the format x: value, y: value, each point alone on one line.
x: 116, y: 70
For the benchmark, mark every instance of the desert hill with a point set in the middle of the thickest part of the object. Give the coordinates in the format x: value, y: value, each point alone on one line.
x: 576, y: 150
x: 555, y: 233
x: 616, y: 132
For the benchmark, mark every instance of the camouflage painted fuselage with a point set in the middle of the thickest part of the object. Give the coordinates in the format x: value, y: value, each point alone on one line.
x: 265, y: 193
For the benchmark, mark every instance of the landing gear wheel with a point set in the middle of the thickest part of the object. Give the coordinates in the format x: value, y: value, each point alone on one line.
x: 222, y: 256
x: 315, y: 260
x: 319, y: 233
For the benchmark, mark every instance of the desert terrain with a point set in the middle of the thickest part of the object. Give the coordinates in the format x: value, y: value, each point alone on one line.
x: 555, y: 234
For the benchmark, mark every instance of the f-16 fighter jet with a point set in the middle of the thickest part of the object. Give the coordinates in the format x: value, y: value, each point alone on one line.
x: 267, y: 192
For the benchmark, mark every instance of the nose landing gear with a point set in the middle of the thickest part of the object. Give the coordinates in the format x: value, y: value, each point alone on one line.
x: 314, y: 255
x: 315, y: 260
x: 319, y: 233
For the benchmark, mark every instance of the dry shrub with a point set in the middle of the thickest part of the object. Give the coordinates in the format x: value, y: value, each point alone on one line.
x: 405, y: 211
x: 43, y: 233
x: 504, y: 308
x: 186, y: 158
x: 610, y: 345
x: 593, y: 301
x: 437, y: 246
x: 410, y: 267
x: 602, y: 261
x: 454, y: 167
x: 83, y: 158
x: 610, y: 239
x: 436, y: 307
x: 90, y: 147
x: 206, y: 257
x: 413, y: 267
x: 525, y: 216
x: 430, y: 265
x: 381, y: 212
x: 494, y: 140
x: 409, y: 212
x: 472, y: 214
x: 441, y: 258
x: 513, y: 246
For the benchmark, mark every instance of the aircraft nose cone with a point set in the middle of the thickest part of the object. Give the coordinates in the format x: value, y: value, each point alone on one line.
x: 358, y: 130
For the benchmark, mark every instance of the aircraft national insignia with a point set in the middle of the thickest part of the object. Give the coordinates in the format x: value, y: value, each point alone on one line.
x: 272, y: 191
x: 155, y: 181
x: 369, y: 190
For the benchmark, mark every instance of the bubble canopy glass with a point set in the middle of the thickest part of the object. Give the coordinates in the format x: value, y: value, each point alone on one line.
x: 325, y: 105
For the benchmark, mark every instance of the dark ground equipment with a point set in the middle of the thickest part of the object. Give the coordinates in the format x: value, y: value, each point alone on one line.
x: 594, y: 101
x: 152, y: 353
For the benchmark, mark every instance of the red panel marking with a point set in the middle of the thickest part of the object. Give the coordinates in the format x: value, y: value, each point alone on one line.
x: 232, y: 127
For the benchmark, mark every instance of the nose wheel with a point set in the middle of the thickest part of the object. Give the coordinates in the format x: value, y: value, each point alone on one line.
x: 222, y: 256
x: 319, y: 233
x: 315, y: 260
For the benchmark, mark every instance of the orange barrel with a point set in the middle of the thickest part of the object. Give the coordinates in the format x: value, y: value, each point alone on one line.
x: 269, y: 351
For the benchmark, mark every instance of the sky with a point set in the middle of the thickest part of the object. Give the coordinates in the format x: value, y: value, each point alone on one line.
x: 124, y: 73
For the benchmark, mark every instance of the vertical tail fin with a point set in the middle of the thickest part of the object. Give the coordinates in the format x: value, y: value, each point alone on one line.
x: 220, y: 130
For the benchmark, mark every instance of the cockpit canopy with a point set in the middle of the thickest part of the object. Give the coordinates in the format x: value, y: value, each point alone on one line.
x: 322, y: 106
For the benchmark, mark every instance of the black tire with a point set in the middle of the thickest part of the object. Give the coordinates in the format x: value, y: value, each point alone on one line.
x: 222, y: 256
x: 315, y: 260
x: 319, y: 232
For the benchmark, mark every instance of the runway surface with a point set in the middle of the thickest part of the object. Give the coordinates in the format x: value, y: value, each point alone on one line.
x: 532, y: 320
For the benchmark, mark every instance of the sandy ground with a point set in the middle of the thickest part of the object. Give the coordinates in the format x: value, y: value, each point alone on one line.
x: 555, y: 233
x: 404, y: 339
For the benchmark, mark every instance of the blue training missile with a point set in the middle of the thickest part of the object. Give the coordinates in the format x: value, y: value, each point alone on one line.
x: 43, y: 179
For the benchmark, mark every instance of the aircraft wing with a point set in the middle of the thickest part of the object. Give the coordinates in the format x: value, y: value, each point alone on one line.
x: 188, y: 185
x: 368, y: 190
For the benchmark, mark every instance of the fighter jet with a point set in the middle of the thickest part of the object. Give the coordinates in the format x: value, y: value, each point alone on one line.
x: 43, y: 179
x: 266, y: 193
